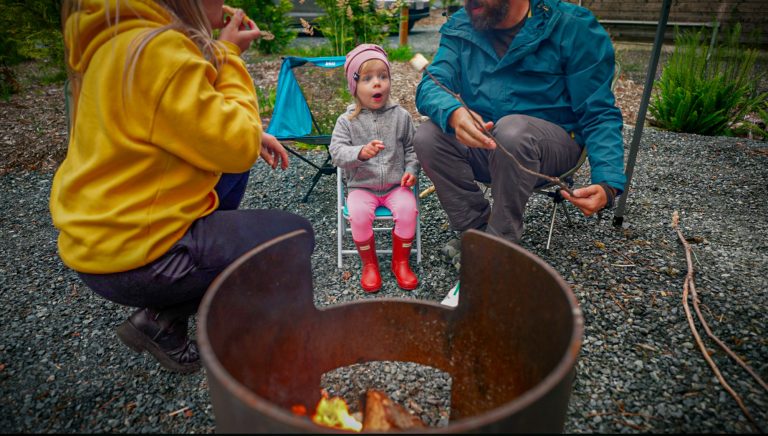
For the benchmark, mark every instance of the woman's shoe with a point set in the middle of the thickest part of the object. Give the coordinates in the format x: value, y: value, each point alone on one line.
x: 162, y: 335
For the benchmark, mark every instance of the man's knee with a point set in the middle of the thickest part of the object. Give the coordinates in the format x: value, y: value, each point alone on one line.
x: 516, y: 134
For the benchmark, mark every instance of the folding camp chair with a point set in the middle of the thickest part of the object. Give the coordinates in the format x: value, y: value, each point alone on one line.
x: 567, y: 177
x: 382, y: 214
x: 555, y: 195
x: 293, y: 119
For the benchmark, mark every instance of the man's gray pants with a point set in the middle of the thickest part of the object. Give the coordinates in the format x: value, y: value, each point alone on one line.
x: 538, y: 145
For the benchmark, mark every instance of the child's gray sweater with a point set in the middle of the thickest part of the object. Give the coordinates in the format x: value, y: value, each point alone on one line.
x: 391, y: 124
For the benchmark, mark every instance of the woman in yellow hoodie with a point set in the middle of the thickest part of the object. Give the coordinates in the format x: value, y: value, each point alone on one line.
x: 164, y: 129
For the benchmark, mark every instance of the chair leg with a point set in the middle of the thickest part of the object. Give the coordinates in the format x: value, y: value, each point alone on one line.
x: 340, y: 236
x: 552, y: 224
x: 566, y: 213
x: 418, y: 240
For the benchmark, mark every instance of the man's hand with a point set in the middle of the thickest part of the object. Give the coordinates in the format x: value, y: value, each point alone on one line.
x: 467, y: 130
x: 408, y: 180
x: 272, y: 151
x: 241, y: 38
x: 589, y: 199
x: 370, y: 149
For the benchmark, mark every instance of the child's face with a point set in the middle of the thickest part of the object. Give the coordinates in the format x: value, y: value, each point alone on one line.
x: 373, y: 86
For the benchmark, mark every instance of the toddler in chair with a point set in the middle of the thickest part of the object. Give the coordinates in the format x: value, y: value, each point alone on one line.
x: 372, y: 144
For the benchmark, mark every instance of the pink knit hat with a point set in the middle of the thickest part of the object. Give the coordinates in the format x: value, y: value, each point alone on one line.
x: 357, y: 57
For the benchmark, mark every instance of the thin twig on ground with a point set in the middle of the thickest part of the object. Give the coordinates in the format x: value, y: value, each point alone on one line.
x: 689, y: 286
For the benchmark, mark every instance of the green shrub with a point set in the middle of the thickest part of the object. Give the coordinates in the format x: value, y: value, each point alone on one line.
x: 707, y: 89
x: 402, y: 53
x: 30, y: 30
x: 266, y: 99
x: 272, y: 16
x: 311, y: 51
x: 347, y: 23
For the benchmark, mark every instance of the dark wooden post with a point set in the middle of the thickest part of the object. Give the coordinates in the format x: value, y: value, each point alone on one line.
x: 404, y: 25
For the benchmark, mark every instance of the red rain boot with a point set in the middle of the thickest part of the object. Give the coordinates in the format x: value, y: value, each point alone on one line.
x: 370, y: 278
x: 401, y: 253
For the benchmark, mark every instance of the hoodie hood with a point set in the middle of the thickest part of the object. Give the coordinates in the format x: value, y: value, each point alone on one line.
x: 98, y: 21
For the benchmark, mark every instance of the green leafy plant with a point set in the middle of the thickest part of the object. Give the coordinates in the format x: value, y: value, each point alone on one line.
x: 30, y: 30
x: 272, y: 16
x: 266, y: 98
x: 311, y: 51
x: 401, y: 53
x: 347, y: 23
x: 707, y: 89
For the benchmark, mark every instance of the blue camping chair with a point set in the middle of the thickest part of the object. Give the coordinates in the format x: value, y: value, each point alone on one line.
x: 292, y: 117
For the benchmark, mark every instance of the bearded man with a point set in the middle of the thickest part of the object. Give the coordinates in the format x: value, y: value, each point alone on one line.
x: 538, y: 74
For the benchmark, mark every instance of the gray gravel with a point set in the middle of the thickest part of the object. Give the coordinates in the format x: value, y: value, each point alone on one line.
x: 62, y: 368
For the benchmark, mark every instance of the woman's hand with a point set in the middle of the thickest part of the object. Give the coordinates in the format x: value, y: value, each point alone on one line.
x: 370, y: 149
x: 467, y: 130
x: 241, y: 38
x: 408, y: 180
x: 272, y: 151
x: 589, y: 199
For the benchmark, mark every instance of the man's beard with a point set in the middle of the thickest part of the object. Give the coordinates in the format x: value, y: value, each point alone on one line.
x: 494, y: 12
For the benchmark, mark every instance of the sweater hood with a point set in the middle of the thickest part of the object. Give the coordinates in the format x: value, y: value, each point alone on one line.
x: 98, y: 21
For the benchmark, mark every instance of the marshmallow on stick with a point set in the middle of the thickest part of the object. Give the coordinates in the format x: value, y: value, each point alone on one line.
x: 419, y: 62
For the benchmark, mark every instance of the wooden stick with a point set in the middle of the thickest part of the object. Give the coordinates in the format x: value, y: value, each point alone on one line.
x: 427, y: 191
x: 176, y: 412
x: 689, y: 285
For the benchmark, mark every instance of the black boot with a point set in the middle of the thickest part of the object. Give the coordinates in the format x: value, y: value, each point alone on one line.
x: 164, y: 335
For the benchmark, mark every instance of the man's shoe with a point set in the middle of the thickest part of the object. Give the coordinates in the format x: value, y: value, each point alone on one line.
x: 162, y: 335
x: 452, y: 299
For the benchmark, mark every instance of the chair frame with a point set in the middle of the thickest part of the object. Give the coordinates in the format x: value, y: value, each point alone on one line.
x: 381, y: 214
x: 555, y: 195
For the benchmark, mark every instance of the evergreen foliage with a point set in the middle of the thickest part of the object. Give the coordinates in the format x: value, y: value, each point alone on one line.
x: 708, y: 89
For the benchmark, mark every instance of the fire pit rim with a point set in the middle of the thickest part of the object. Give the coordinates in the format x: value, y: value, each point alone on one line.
x: 565, y: 365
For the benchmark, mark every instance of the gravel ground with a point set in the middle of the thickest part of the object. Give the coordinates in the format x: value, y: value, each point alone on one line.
x: 62, y: 369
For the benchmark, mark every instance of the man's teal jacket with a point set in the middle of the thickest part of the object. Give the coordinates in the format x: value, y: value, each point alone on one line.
x: 558, y: 68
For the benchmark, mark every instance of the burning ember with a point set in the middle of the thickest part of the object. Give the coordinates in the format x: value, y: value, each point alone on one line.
x: 381, y: 414
x: 333, y: 413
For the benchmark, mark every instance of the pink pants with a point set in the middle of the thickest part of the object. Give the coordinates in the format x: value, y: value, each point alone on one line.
x: 362, y: 204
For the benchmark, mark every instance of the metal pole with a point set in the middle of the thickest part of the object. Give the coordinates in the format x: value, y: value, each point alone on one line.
x: 618, y: 217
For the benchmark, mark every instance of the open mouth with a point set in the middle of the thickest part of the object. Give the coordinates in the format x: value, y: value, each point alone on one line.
x: 377, y: 96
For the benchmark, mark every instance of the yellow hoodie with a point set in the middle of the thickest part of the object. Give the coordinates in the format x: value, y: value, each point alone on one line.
x: 142, y: 163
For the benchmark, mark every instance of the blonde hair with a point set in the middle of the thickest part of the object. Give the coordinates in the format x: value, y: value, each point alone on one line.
x: 358, y: 104
x: 187, y: 17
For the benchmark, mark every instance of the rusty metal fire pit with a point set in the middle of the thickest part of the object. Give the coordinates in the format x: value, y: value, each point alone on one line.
x: 510, y: 346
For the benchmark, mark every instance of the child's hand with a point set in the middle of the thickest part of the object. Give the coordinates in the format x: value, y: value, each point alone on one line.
x: 370, y: 149
x: 242, y: 38
x: 408, y: 180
